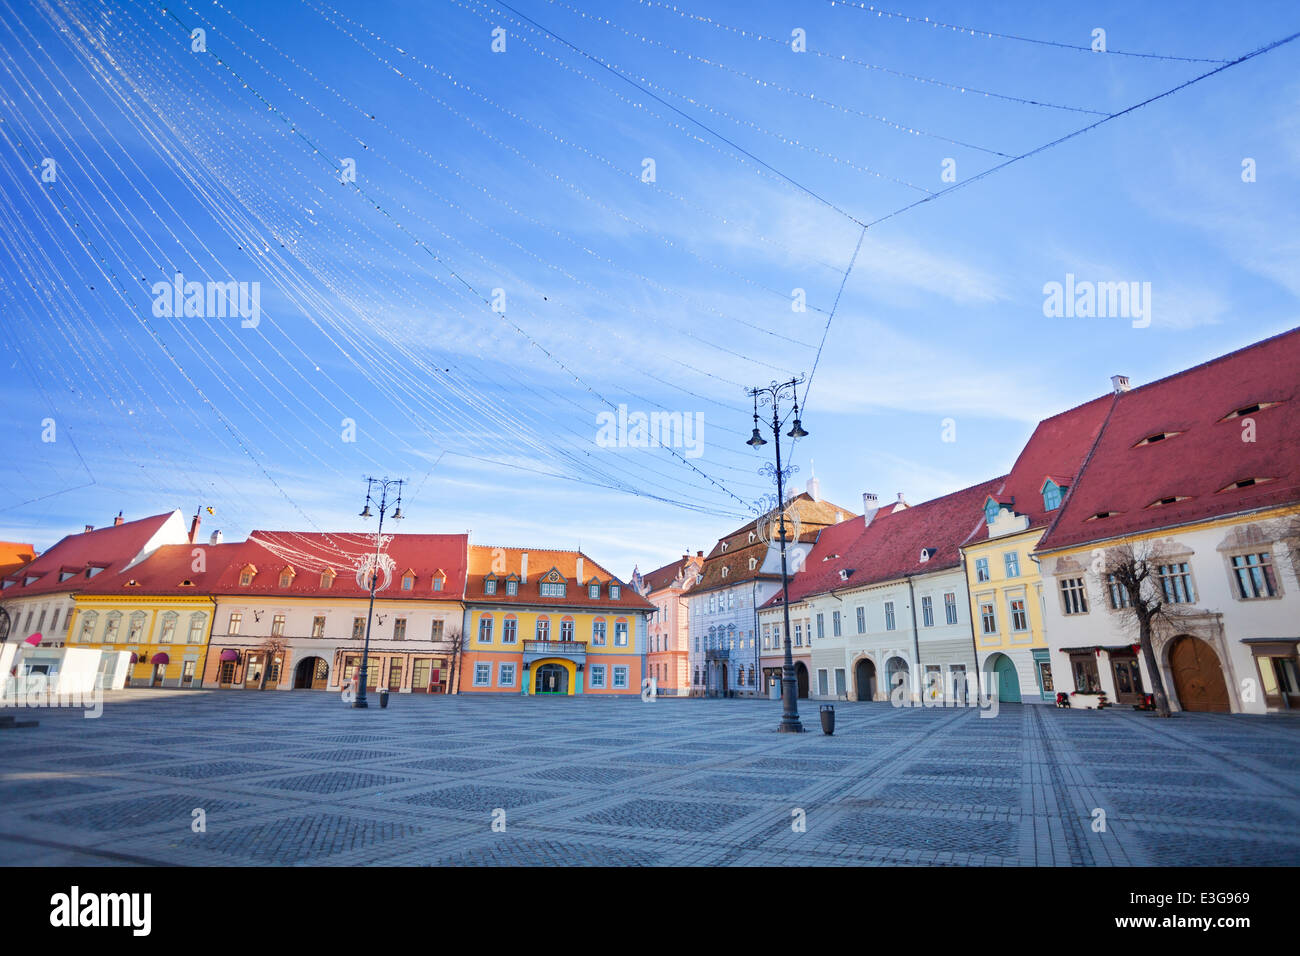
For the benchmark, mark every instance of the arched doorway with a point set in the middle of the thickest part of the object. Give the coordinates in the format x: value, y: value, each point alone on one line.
x: 312, y: 673
x: 1198, y: 678
x: 864, y: 679
x: 551, y: 679
x: 801, y: 677
x: 898, y: 676
x: 1008, y: 681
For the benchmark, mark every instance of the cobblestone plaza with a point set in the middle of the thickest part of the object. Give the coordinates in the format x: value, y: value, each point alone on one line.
x: 301, y: 779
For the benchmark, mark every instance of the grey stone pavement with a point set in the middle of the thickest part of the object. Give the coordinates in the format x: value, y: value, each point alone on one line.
x: 298, y: 778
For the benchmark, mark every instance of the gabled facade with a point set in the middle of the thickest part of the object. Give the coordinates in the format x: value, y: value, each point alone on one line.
x: 668, y: 630
x: 292, y: 610
x: 881, y: 607
x: 550, y: 622
x: 1200, y: 470
x: 40, y: 597
x: 738, y: 576
x: 1003, y: 581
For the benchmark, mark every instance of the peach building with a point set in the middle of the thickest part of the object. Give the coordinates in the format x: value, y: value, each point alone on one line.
x: 668, y: 632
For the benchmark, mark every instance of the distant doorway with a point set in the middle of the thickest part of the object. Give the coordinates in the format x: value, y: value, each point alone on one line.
x: 312, y: 673
x: 801, y: 676
x: 1008, y: 681
x: 551, y: 679
x: 864, y: 679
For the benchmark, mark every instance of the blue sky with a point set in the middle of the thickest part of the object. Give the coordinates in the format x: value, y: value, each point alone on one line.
x: 522, y: 171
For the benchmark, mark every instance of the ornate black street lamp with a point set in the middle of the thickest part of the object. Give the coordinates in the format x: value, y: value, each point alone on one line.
x: 772, y: 395
x: 384, y: 484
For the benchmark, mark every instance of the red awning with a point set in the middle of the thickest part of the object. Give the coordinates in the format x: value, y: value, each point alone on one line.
x: 34, y: 640
x: 159, y: 658
x: 230, y: 654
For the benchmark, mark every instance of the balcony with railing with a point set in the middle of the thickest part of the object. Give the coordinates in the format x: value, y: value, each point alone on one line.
x: 569, y: 650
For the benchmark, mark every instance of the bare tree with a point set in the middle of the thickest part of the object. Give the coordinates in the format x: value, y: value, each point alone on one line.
x: 1133, y: 570
x: 456, y: 639
x: 271, y: 648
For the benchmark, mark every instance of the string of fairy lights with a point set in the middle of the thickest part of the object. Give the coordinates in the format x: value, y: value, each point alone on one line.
x: 389, y: 281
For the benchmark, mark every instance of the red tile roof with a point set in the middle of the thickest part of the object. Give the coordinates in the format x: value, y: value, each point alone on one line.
x: 1208, y: 455
x: 1057, y: 447
x: 485, y: 560
x: 165, y: 571
x: 890, y: 547
x: 661, y: 578
x: 111, y: 549
x: 310, y: 554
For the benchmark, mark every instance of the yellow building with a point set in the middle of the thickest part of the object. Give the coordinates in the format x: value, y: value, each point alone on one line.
x: 550, y: 622
x: 161, y: 610
x: 1003, y: 579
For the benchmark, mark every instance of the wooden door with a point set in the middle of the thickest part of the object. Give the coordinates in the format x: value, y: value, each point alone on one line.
x: 1198, y: 678
x: 1128, y: 678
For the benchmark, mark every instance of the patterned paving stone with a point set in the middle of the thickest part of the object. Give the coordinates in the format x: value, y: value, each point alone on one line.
x: 303, y: 838
x: 137, y: 811
x: 1001, y: 798
x: 50, y: 788
x: 449, y: 764
x: 213, y: 769
x: 510, y: 852
x: 756, y: 784
x: 934, y: 834
x: 666, y: 759
x: 478, y: 798
x: 1206, y: 850
x: 669, y: 815
x: 593, y: 775
x: 332, y: 781
x: 343, y: 755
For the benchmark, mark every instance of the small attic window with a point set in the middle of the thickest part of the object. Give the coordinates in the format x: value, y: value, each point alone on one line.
x: 1248, y: 410
x: 187, y: 583
x: 699, y: 579
x: 90, y: 571
x: 1246, y: 483
x: 725, y: 571
x: 327, y: 578
x: 1172, y: 499
x: 1102, y: 514
x: 724, y: 544
x: 133, y: 583
x: 408, y: 582
x: 286, y: 577
x: 752, y: 536
x: 927, y: 554
x: 1051, y: 496
x: 615, y: 591
x: 844, y: 573
x: 64, y: 575
x: 1158, y: 436
x: 753, y: 563
x: 991, y: 509
x: 490, y: 584
x: 830, y: 557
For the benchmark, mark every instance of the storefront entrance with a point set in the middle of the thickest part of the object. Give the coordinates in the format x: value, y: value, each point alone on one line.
x: 551, y: 679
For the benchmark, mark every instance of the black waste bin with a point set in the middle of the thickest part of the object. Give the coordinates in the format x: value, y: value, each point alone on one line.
x: 828, y: 719
x: 383, y: 700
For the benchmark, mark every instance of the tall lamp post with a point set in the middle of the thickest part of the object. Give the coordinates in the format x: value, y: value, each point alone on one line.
x: 383, y: 485
x: 772, y: 395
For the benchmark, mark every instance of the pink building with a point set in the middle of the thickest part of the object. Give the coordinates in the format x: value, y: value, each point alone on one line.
x: 668, y: 633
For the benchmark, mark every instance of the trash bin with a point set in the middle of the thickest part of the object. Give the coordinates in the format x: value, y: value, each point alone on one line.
x: 383, y: 699
x: 828, y: 719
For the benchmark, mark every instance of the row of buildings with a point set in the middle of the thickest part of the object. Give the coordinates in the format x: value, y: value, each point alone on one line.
x: 289, y: 610
x: 1012, y: 583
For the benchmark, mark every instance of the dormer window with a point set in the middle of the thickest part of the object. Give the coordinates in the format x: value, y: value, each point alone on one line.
x: 1172, y: 499
x: 490, y: 584
x: 1051, y: 495
x: 1248, y: 410
x: 724, y: 546
x: 90, y: 571
x: 1246, y: 483
x: 286, y: 577
x: 593, y: 591
x: 327, y: 579
x: 552, y: 584
x: 725, y: 570
x: 133, y: 583
x: 752, y: 536
x: 512, y: 587
x: 1158, y: 436
x: 9, y: 583
x: 844, y: 573
x: 408, y: 581
x: 927, y: 554
x: 187, y: 583
x: 65, y: 574
x: 614, y: 591
x: 1102, y: 514
x: 991, y: 509
x: 753, y: 563
x: 439, y: 579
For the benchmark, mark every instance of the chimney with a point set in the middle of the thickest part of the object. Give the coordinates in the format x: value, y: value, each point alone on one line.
x: 579, y: 569
x: 523, y: 568
x: 699, y: 554
x: 216, y: 537
x: 869, y: 508
x: 900, y: 504
x: 118, y: 520
x: 1119, y: 383
x: 89, y: 528
x: 194, y: 529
